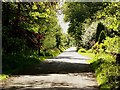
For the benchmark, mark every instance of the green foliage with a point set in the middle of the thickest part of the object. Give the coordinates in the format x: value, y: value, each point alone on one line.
x: 107, y: 71
x: 54, y: 52
x: 100, y: 33
x: 66, y: 41
x: 87, y: 53
x: 82, y: 50
x: 111, y: 16
x: 58, y: 40
x: 78, y: 13
x: 31, y: 29
x: 29, y: 34
x: 33, y: 23
x: 49, y: 42
x: 18, y: 63
x: 3, y: 77
x: 88, y: 37
x: 106, y: 48
x: 62, y: 48
x: 112, y: 44
x: 105, y: 64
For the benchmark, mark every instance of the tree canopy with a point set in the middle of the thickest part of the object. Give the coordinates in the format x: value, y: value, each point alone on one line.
x: 30, y: 30
x: 31, y: 33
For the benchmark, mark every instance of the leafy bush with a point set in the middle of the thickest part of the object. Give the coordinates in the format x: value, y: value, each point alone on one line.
x: 18, y: 62
x: 52, y: 52
x: 107, y: 72
x: 62, y: 48
x: 105, y: 66
x: 3, y: 77
x: 82, y: 50
x: 110, y: 45
x: 90, y: 51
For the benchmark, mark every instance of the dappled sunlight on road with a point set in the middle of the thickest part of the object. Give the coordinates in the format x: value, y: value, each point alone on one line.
x: 67, y: 71
x: 70, y: 56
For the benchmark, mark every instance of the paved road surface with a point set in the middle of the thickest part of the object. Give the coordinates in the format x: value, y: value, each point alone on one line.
x: 68, y: 71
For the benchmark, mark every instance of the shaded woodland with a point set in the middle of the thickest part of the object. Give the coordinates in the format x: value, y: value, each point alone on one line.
x: 31, y: 33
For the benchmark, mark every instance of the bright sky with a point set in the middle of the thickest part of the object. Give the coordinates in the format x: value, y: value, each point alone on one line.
x: 63, y: 24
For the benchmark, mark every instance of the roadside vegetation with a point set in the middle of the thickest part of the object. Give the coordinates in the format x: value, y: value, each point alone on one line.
x: 87, y: 53
x: 95, y: 27
x: 31, y: 33
x: 3, y: 77
x: 104, y: 64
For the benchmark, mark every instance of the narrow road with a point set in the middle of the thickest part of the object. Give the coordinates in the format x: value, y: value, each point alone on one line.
x: 68, y: 71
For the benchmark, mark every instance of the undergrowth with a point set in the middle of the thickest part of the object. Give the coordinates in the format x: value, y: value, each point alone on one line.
x: 107, y: 71
x: 20, y: 62
x: 3, y: 77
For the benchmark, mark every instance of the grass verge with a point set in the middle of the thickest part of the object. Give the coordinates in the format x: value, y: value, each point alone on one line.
x: 87, y: 54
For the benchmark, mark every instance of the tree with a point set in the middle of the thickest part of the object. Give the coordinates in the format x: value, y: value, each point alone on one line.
x: 31, y: 23
x: 100, y: 33
x: 77, y: 13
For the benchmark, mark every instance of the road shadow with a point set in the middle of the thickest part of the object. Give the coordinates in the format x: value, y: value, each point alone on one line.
x: 59, y: 65
x: 52, y: 67
x: 53, y: 88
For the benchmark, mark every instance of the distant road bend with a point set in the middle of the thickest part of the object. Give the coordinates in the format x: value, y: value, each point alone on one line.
x: 67, y: 71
